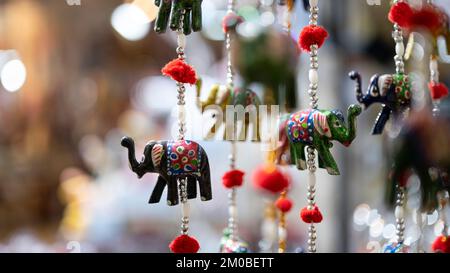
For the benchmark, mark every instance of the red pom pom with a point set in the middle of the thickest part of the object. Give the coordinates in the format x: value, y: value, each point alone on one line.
x: 427, y: 17
x: 441, y: 244
x: 180, y: 71
x: 270, y: 178
x: 184, y: 244
x: 311, y: 216
x: 437, y: 90
x: 284, y: 204
x: 312, y: 35
x: 230, y: 21
x: 401, y: 14
x: 233, y: 178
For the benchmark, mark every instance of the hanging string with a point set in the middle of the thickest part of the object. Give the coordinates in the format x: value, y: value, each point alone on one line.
x: 311, y: 155
x: 232, y: 208
x: 185, y: 206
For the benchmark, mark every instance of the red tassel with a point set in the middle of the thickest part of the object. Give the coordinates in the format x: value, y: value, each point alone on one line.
x: 284, y: 204
x: 230, y: 21
x: 437, y: 90
x: 233, y: 178
x: 180, y: 71
x: 184, y: 244
x: 401, y: 14
x: 441, y: 244
x: 270, y: 178
x: 311, y: 216
x: 427, y: 17
x: 312, y: 35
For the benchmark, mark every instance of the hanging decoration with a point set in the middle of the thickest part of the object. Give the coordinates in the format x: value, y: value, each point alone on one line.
x: 270, y: 180
x: 180, y: 163
x: 313, y: 129
x: 434, y: 21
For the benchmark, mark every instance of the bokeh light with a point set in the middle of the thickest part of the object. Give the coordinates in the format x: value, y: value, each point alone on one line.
x: 13, y: 75
x: 130, y: 22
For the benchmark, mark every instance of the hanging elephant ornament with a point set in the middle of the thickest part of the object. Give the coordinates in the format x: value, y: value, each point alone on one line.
x: 172, y: 160
x: 432, y: 21
x: 221, y: 96
x: 317, y: 128
x: 392, y: 91
x: 180, y: 163
x: 182, y: 14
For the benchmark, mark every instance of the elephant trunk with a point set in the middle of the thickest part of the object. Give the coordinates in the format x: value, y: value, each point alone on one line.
x: 353, y: 112
x: 357, y: 77
x: 135, y: 166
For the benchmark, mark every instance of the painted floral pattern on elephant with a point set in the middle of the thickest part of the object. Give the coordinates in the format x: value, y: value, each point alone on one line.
x: 402, y: 88
x: 300, y: 126
x: 183, y: 157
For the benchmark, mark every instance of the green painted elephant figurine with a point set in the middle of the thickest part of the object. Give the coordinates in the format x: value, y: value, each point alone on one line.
x: 223, y: 96
x: 316, y: 128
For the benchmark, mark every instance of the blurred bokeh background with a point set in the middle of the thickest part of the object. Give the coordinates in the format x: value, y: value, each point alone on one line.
x: 76, y: 78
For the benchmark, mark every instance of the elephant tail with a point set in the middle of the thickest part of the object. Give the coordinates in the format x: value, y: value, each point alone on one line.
x: 354, y: 75
x: 128, y: 143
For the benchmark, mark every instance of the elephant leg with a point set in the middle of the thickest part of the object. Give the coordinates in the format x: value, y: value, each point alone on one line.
x: 300, y: 156
x: 327, y: 159
x: 158, y: 190
x: 172, y: 191
x: 321, y: 163
x: 204, y: 180
x: 191, y: 187
x: 381, y: 120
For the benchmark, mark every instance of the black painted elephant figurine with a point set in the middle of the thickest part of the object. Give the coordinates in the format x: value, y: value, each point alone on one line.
x: 423, y: 148
x: 393, y: 91
x: 317, y: 128
x: 223, y: 96
x: 173, y: 160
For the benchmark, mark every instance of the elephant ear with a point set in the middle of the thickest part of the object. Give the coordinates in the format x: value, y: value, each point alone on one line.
x: 321, y: 124
x: 222, y: 95
x: 157, y: 153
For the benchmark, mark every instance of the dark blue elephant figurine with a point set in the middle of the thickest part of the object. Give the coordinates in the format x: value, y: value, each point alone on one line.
x: 393, y: 91
x: 173, y: 160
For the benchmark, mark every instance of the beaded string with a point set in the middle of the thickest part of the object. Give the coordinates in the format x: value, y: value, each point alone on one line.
x: 311, y: 155
x: 397, y: 35
x: 185, y: 206
x: 282, y: 233
x: 443, y: 198
x: 232, y: 208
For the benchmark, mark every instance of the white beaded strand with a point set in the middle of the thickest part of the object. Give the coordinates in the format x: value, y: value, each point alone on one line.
x: 185, y: 206
x: 232, y: 208
x: 400, y: 215
x: 313, y: 77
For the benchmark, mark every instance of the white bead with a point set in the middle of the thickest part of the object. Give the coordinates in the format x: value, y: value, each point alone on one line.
x: 181, y: 113
x: 313, y: 76
x: 282, y: 233
x: 399, y: 49
x: 313, y: 3
x: 311, y: 179
x: 433, y: 65
x: 399, y: 212
x: 181, y: 40
x: 185, y: 209
x: 232, y: 211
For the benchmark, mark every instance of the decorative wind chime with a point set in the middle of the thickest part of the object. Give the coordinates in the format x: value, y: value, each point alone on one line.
x: 233, y: 179
x: 435, y: 22
x: 180, y: 163
x: 313, y: 129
